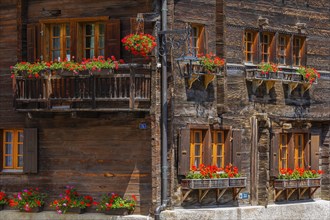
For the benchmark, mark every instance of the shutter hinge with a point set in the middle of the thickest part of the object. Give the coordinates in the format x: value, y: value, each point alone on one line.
x: 42, y: 33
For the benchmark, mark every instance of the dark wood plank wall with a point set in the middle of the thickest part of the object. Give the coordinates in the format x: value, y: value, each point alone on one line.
x: 87, y: 151
x: 100, y: 155
x: 238, y: 105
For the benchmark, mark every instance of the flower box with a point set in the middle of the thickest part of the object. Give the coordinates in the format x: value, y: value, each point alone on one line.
x: 33, y: 210
x: 2, y: 207
x: 123, y: 211
x: 312, y: 182
x: 237, y: 182
x: 76, y: 210
x: 303, y: 183
x: 205, y: 183
x: 285, y: 183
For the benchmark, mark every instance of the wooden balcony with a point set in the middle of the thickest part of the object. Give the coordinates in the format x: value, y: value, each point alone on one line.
x: 127, y: 89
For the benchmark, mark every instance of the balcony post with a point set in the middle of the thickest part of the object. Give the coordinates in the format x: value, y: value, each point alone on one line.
x: 132, y: 89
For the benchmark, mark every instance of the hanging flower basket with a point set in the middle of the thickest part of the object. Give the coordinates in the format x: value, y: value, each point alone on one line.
x: 139, y: 44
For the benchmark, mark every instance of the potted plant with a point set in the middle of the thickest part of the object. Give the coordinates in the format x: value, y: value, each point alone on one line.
x: 309, y: 74
x: 28, y: 70
x: 298, y: 177
x: 72, y: 202
x: 139, y: 44
x: 3, y: 200
x: 100, y: 65
x: 268, y: 70
x: 211, y: 64
x: 29, y: 200
x: 113, y: 204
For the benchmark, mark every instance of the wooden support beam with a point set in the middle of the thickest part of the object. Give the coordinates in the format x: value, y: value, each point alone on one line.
x: 208, y: 78
x: 185, y: 195
x: 276, y: 195
x: 255, y: 84
x: 301, y: 192
x: 269, y: 85
x: 305, y: 88
x: 290, y: 192
x: 236, y: 191
x: 201, y: 194
x: 192, y: 79
x: 220, y: 193
x: 291, y: 87
x: 312, y: 191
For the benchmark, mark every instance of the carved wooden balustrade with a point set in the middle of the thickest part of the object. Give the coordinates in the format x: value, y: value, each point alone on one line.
x: 128, y: 89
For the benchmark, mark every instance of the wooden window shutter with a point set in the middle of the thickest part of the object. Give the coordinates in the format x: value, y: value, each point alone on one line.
x: 256, y: 53
x: 273, y: 48
x: 237, y: 148
x: 30, y: 150
x: 74, y: 39
x: 33, y: 42
x: 307, y: 151
x: 315, y: 146
x: 112, y: 38
x: 136, y: 27
x: 291, y: 146
x: 1, y: 149
x: 303, y: 52
x: 274, y: 154
x: 228, y: 153
x: 184, y: 152
x: 289, y: 60
x: 202, y: 41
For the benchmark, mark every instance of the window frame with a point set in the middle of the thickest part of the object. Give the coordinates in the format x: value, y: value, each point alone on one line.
x: 193, y: 147
x: 286, y: 47
x: 280, y: 163
x: 265, y: 46
x: 63, y: 35
x: 15, y: 145
x: 297, y: 51
x: 198, y: 40
x: 97, y: 37
x: 298, y: 157
x: 215, y: 144
x: 253, y: 49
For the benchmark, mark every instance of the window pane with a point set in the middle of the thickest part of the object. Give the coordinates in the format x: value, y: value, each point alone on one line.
x: 67, y: 30
x: 9, y: 149
x: 197, y: 137
x: 283, y: 153
x: 56, y: 55
x: 9, y: 137
x: 282, y: 60
x: 56, y: 30
x: 20, y: 161
x: 8, y: 161
x: 283, y: 164
x: 56, y: 43
x: 89, y: 42
x: 67, y: 43
x: 219, y: 162
x: 197, y: 150
x: 197, y: 162
x: 219, y: 150
x: 20, y: 149
x: 89, y: 29
x: 20, y: 136
x: 101, y: 42
x: 249, y: 57
x: 101, y: 52
x: 101, y: 29
x: 220, y: 137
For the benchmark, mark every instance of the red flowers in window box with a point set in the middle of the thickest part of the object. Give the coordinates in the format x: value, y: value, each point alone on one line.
x: 28, y: 199
x: 71, y: 200
x: 309, y: 74
x: 139, y: 44
x: 114, y: 201
x: 213, y: 172
x: 299, y: 173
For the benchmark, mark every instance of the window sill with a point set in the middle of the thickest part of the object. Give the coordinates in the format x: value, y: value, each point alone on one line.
x: 11, y: 171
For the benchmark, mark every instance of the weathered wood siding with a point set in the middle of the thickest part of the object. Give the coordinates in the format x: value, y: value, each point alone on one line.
x: 100, y: 155
x: 96, y: 153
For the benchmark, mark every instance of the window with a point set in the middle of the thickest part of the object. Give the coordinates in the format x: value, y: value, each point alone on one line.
x: 208, y: 145
x: 294, y: 149
x: 218, y: 148
x: 250, y: 46
x: 297, y: 51
x: 59, y: 39
x: 282, y: 49
x: 93, y: 39
x: 299, y: 150
x: 196, y: 148
x: 283, y: 163
x: 265, y: 47
x: 13, y: 149
x: 198, y: 40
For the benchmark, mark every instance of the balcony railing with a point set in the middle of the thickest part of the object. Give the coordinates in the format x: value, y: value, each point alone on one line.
x: 128, y: 89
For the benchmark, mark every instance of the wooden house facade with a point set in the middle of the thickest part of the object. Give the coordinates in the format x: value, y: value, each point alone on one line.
x: 103, y: 134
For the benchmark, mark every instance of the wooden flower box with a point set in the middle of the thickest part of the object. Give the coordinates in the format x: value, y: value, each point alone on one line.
x: 121, y: 211
x: 283, y: 183
x: 205, y: 183
x: 303, y: 183
x: 237, y: 182
x: 314, y: 182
